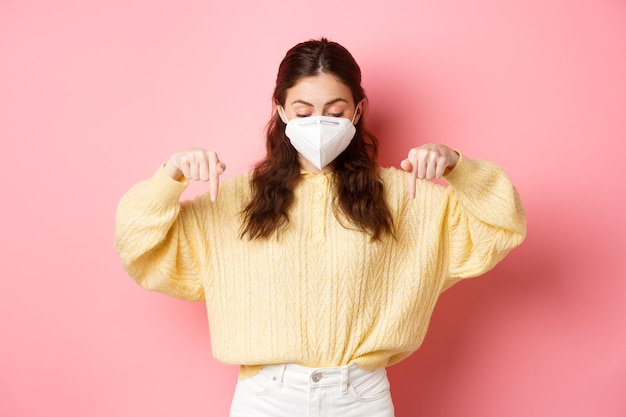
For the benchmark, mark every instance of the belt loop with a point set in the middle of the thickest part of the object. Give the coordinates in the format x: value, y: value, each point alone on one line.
x: 279, y: 374
x: 344, y: 379
x: 282, y: 370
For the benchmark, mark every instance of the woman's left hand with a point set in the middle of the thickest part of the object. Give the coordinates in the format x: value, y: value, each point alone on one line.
x: 428, y: 162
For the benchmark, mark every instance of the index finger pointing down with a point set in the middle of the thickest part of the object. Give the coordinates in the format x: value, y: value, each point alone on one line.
x: 214, y: 179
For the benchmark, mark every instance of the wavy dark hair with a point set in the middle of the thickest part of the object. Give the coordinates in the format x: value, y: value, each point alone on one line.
x: 359, y: 190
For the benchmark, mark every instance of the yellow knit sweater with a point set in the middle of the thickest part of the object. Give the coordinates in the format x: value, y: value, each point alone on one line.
x: 322, y: 294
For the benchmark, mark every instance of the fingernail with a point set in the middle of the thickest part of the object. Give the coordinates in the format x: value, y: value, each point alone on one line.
x: 213, y: 197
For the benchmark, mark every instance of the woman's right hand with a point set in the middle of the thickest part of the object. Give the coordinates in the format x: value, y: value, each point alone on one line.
x: 196, y: 164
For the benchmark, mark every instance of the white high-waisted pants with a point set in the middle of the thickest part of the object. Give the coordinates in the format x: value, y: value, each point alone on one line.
x: 290, y: 390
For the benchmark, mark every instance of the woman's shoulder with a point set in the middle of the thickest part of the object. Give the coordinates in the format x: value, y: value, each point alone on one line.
x: 238, y: 180
x: 395, y: 177
x: 389, y: 174
x: 237, y: 186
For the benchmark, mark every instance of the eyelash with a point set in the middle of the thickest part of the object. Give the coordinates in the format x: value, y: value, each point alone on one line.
x: 332, y: 115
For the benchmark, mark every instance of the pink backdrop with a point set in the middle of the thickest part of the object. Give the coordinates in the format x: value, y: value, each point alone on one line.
x: 94, y: 95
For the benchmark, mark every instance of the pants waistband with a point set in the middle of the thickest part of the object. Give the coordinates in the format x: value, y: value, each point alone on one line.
x: 301, y: 375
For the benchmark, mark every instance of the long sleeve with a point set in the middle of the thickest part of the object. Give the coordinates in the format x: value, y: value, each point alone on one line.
x: 484, y: 221
x: 158, y: 240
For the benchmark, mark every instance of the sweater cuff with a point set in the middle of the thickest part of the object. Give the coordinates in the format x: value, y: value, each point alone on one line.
x: 167, y: 187
x: 463, y: 172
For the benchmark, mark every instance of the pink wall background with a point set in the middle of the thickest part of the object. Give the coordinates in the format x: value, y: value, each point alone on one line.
x: 95, y: 95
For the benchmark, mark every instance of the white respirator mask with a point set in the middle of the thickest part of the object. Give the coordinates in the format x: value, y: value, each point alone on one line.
x: 320, y: 139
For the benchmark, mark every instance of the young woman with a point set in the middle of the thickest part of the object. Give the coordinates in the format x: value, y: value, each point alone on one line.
x: 319, y: 268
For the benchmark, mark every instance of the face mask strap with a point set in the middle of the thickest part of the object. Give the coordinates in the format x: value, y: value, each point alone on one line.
x: 353, y: 116
x: 282, y: 110
x: 356, y: 110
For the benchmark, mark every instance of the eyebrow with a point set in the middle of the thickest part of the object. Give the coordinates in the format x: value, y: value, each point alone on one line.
x: 327, y: 104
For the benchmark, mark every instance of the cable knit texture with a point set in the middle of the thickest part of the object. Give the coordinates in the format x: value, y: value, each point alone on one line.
x: 321, y: 293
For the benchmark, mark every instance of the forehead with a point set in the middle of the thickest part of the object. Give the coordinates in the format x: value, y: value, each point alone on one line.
x: 318, y: 89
